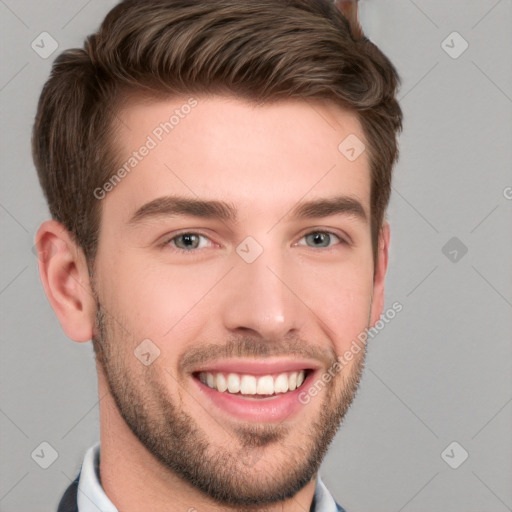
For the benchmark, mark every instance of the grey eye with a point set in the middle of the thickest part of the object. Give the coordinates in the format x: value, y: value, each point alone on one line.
x: 187, y: 241
x: 320, y: 238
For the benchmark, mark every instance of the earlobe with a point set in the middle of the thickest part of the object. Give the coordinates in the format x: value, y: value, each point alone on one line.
x: 380, y: 274
x: 65, y: 278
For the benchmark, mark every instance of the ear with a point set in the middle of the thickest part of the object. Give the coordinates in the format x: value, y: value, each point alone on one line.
x: 377, y: 306
x: 65, y: 278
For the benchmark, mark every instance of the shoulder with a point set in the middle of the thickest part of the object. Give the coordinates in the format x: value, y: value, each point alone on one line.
x: 68, y: 502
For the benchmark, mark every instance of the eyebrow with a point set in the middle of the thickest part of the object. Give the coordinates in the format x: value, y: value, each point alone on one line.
x: 177, y: 206
x: 330, y: 206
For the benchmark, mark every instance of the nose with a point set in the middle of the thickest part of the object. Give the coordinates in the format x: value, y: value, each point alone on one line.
x: 263, y: 297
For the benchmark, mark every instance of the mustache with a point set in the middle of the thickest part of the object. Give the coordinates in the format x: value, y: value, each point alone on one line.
x: 255, y: 347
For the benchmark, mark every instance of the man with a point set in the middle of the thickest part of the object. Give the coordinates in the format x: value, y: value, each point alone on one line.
x: 217, y: 174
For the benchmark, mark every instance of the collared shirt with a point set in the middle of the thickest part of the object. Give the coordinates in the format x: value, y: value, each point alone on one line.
x: 92, y: 498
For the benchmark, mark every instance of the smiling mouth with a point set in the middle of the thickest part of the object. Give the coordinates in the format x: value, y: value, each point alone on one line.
x: 254, y: 386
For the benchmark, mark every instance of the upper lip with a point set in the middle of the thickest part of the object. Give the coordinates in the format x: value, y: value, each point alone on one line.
x: 258, y: 366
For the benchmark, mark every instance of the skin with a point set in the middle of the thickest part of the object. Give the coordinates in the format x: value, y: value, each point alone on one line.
x: 296, y: 297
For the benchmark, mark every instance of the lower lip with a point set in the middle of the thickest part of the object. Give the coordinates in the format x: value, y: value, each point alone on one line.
x: 270, y: 409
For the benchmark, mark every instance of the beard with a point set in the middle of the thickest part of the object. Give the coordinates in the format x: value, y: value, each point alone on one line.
x: 244, y: 473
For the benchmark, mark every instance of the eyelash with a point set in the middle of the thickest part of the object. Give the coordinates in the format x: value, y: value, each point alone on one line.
x: 166, y: 243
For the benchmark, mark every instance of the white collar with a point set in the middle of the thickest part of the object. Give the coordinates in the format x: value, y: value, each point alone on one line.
x: 92, y: 498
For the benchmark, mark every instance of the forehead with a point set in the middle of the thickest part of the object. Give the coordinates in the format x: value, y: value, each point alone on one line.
x: 267, y: 155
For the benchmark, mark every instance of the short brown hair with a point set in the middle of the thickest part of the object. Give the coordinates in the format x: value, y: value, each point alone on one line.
x: 259, y: 51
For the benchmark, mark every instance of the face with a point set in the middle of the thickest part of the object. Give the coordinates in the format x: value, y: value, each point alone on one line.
x: 212, y: 272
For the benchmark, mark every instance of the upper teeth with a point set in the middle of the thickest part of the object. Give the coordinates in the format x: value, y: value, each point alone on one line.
x: 252, y: 385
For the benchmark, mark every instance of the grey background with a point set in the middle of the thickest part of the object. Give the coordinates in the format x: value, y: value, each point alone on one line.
x: 440, y: 371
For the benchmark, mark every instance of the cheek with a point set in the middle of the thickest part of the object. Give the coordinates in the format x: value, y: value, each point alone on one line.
x: 155, y: 302
x: 163, y: 302
x: 341, y: 299
x: 348, y: 319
